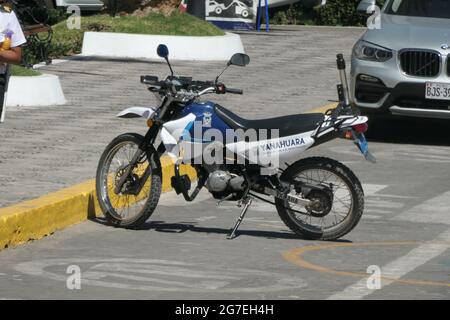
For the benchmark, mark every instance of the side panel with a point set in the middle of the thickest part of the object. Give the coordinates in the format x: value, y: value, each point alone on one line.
x: 273, y: 152
x: 174, y: 131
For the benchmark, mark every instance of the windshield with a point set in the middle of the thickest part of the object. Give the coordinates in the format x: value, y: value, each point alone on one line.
x: 420, y: 8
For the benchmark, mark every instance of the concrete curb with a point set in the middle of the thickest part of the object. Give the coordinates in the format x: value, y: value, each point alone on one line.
x: 37, y: 218
x: 44, y: 90
x: 121, y: 45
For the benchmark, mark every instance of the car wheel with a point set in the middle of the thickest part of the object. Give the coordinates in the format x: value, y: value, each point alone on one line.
x: 245, y: 14
x: 218, y: 11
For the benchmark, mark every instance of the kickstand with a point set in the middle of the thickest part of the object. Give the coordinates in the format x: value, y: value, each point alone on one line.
x: 247, y: 201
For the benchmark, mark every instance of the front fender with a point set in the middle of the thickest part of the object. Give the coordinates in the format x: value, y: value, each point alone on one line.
x: 137, y: 112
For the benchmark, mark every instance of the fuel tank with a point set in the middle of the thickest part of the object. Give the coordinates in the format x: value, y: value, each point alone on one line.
x: 207, y: 125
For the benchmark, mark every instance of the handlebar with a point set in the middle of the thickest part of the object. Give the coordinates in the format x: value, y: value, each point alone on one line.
x: 186, y: 86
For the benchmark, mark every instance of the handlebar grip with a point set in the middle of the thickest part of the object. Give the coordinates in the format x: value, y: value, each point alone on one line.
x: 149, y: 80
x: 235, y: 91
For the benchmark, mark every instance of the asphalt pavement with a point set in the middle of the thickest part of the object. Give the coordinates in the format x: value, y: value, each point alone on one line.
x: 182, y: 252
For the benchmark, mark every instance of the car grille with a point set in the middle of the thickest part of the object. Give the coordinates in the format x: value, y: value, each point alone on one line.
x: 420, y: 63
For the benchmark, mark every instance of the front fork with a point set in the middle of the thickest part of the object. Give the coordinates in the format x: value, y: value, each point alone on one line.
x: 148, y: 140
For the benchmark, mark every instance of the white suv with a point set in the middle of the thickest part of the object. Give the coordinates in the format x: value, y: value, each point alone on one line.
x: 402, y: 66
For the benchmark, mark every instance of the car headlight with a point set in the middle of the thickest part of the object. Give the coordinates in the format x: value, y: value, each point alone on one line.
x: 368, y: 51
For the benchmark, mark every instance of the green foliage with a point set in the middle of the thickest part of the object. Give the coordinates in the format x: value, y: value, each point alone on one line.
x: 31, y: 12
x: 68, y: 42
x: 23, y: 72
x: 334, y: 13
x: 341, y: 13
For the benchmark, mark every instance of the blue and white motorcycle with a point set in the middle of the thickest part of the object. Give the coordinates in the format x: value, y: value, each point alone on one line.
x: 235, y: 159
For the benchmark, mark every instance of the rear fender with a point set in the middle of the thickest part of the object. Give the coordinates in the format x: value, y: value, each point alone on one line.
x: 352, y: 121
x: 328, y: 125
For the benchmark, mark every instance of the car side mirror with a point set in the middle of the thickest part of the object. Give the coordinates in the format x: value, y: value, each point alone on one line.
x: 366, y: 7
x: 163, y: 51
x: 239, y: 59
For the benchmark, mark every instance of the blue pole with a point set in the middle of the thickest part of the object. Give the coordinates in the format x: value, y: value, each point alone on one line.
x: 258, y: 16
x: 267, y: 15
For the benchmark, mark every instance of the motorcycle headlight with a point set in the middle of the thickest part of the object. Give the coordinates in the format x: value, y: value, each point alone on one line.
x: 368, y: 51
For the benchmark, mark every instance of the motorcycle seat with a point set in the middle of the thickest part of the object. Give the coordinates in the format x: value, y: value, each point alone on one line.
x: 287, y: 125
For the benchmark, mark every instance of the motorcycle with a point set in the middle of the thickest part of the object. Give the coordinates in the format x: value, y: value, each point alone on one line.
x: 316, y: 197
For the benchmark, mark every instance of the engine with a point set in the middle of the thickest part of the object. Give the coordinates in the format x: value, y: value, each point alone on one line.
x: 223, y: 183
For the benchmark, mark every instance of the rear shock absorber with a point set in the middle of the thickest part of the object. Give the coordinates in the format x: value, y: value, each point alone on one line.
x: 343, y: 90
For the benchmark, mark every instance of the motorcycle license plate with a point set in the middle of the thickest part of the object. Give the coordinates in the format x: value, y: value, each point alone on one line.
x: 439, y: 91
x: 363, y: 145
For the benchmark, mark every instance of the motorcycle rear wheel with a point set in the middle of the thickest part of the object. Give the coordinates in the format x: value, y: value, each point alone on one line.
x: 126, y: 209
x: 346, y: 200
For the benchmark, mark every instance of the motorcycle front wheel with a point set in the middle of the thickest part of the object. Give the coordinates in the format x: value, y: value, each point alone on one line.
x: 135, y: 202
x: 338, y: 202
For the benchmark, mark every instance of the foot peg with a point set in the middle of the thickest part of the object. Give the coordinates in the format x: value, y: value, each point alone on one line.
x: 246, y: 202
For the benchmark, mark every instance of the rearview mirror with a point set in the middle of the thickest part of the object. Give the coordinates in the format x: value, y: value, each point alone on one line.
x: 239, y: 59
x: 366, y: 7
x: 163, y: 51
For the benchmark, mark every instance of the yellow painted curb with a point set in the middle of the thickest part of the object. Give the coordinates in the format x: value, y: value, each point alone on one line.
x: 37, y: 218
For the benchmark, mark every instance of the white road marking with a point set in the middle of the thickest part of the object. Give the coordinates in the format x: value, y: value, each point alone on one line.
x: 203, y: 219
x: 377, y: 204
x: 371, y: 189
x: 371, y: 216
x: 377, y: 211
x: 384, y: 204
x: 397, y: 268
x: 162, y: 275
x: 435, y: 210
x: 394, y: 196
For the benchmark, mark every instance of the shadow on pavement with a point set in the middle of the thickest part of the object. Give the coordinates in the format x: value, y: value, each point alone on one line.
x: 162, y: 226
x: 410, y: 131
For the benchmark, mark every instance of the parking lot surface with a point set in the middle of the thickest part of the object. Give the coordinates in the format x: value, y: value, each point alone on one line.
x: 182, y: 252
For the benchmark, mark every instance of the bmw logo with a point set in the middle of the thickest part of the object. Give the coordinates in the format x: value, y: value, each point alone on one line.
x: 445, y: 47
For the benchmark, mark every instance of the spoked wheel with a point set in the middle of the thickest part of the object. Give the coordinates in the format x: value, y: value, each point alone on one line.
x: 336, y: 206
x: 135, y: 201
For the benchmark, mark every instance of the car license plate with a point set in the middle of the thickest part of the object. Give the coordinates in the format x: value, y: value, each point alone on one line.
x: 439, y: 91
